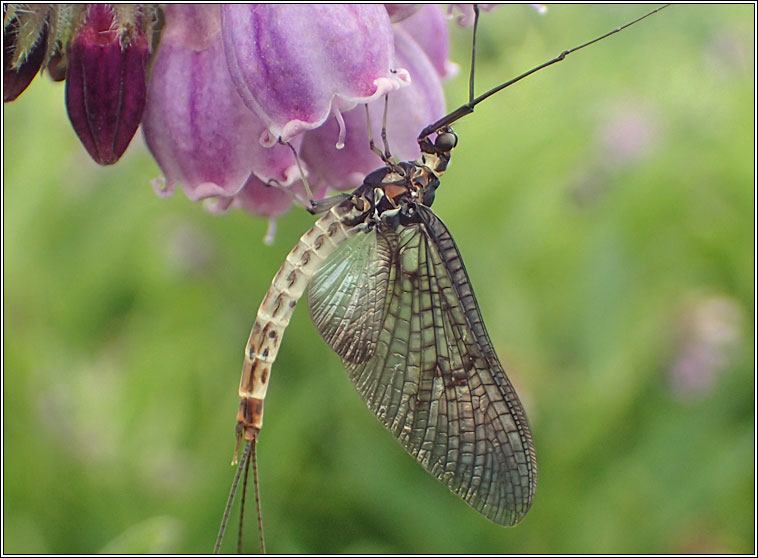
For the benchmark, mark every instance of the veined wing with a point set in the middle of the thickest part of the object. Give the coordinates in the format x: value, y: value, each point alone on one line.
x: 431, y: 376
x: 346, y: 296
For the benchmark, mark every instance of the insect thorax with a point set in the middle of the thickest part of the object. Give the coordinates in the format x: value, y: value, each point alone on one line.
x: 395, y: 189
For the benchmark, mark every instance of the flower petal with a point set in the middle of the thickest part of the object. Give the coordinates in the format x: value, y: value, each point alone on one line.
x: 428, y: 27
x: 292, y: 63
x: 264, y: 201
x: 195, y: 124
x: 399, y: 12
x: 409, y: 110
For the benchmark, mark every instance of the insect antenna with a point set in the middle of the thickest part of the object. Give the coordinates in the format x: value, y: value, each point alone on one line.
x: 468, y: 108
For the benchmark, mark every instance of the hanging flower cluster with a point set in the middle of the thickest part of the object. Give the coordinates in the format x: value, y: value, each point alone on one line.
x: 227, y: 94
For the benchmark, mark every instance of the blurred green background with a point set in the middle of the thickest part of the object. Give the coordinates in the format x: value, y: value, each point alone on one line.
x: 604, y: 208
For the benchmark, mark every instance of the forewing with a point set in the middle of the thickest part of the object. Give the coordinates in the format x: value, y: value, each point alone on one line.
x: 434, y: 379
x: 347, y: 294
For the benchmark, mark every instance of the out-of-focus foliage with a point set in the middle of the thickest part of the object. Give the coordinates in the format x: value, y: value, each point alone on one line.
x: 604, y: 208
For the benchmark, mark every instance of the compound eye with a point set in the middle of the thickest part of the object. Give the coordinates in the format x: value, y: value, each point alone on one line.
x: 446, y: 141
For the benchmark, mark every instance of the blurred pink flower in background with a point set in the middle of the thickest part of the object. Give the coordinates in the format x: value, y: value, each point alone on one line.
x: 710, y: 331
x: 628, y: 132
x: 627, y: 135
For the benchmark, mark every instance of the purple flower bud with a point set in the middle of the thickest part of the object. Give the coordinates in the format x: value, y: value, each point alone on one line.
x: 21, y: 62
x: 294, y: 65
x: 106, y: 82
x: 410, y: 109
x: 195, y: 124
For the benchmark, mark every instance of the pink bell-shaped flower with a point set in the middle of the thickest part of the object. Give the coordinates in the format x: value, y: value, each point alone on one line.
x: 196, y: 126
x: 294, y: 65
x: 409, y: 110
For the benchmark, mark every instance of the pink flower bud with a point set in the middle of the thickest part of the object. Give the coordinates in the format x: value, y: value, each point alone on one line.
x: 106, y: 81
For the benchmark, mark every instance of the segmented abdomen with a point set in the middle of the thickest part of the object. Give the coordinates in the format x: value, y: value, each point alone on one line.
x: 276, y: 309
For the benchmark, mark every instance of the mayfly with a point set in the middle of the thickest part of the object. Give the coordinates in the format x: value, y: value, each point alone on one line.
x: 389, y: 293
